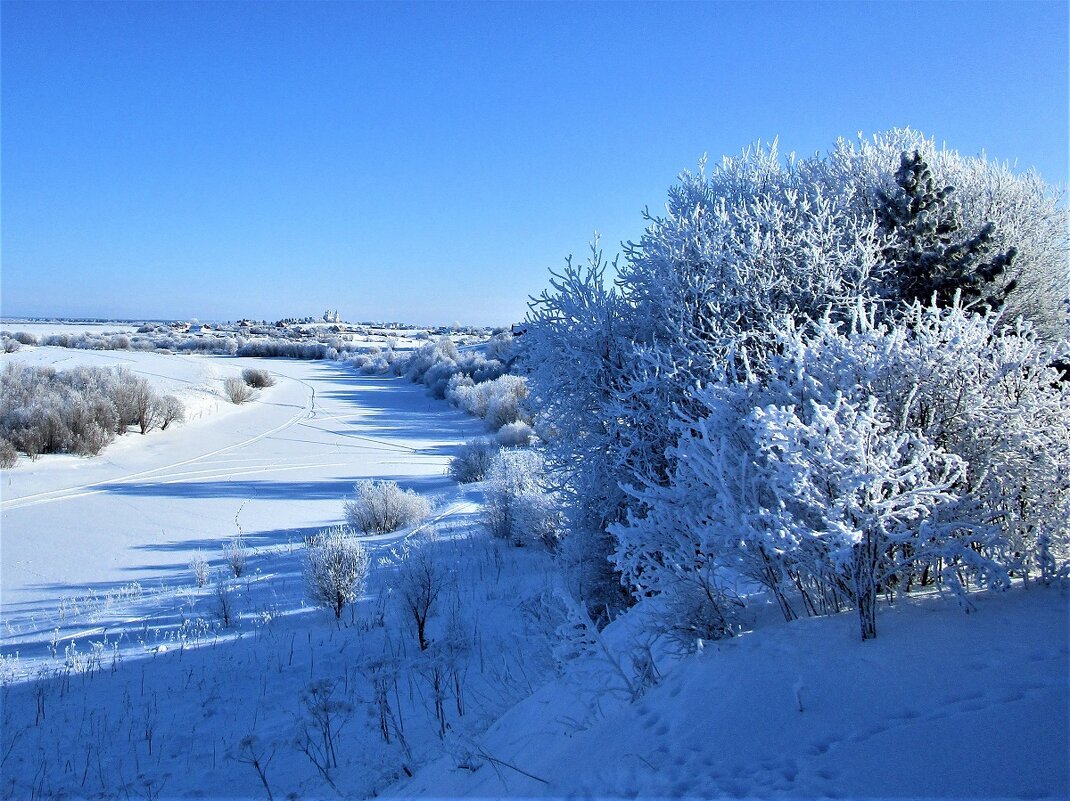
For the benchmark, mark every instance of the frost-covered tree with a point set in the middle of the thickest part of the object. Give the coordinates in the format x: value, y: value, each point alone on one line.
x: 171, y: 410
x: 760, y: 244
x: 866, y: 456
x: 519, y: 505
x: 854, y: 490
x: 575, y: 355
x: 420, y: 582
x: 1022, y: 211
x: 336, y: 568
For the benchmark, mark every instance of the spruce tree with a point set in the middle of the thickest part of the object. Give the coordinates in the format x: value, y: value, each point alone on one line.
x: 930, y: 257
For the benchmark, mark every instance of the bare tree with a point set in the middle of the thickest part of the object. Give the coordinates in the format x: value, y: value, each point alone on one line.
x: 420, y: 582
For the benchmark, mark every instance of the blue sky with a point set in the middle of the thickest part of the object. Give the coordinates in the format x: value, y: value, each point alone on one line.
x: 430, y: 162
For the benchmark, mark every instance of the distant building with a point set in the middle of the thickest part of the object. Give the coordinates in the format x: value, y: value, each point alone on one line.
x: 331, y: 316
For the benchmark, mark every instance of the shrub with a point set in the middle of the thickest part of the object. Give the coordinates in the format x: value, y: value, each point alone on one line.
x: 336, y: 568
x: 236, y: 555
x: 438, y: 376
x: 238, y: 391
x: 11, y: 345
x: 498, y: 402
x: 537, y: 517
x: 473, y: 461
x: 427, y: 356
x: 517, y: 434
x: 8, y: 455
x: 90, y: 439
x: 73, y: 411
x: 26, y: 339
x: 359, y: 362
x: 380, y: 507
x: 257, y: 378
x: 198, y: 565
x: 501, y: 347
x: 929, y: 451
x: 172, y: 410
x: 225, y: 604
x: 518, y: 506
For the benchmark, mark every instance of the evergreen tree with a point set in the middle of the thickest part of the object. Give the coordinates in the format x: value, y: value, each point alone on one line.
x: 930, y: 258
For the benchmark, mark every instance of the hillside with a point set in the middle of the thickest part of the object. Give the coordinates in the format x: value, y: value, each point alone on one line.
x: 940, y: 705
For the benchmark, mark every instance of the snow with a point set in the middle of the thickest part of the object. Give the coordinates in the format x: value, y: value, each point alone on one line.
x: 39, y: 328
x: 940, y: 705
x: 278, y: 467
x: 117, y: 678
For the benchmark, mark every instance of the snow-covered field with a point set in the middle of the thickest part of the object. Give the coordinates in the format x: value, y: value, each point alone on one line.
x: 39, y: 328
x: 277, y: 468
x: 119, y: 677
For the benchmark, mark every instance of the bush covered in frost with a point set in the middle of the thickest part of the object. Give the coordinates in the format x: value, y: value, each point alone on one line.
x: 519, y: 506
x: 517, y: 434
x: 498, y: 402
x: 473, y: 460
x: 379, y: 507
x: 660, y: 397
x: 929, y: 452
x: 257, y: 378
x: 79, y: 410
x: 336, y: 568
x: 237, y: 391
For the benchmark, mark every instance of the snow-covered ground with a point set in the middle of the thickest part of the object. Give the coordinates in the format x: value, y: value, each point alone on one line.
x: 40, y: 328
x: 940, y: 705
x: 119, y: 677
x: 277, y: 468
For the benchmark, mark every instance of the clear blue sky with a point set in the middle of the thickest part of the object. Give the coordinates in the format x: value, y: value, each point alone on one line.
x: 430, y: 162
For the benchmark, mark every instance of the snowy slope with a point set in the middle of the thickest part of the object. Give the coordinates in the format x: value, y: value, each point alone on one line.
x: 942, y: 704
x: 118, y: 678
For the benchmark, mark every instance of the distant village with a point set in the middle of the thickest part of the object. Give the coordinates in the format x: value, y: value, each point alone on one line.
x: 330, y: 322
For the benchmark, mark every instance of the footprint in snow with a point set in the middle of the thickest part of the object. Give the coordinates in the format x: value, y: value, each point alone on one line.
x: 960, y: 697
x: 821, y: 747
x: 683, y: 788
x: 907, y: 714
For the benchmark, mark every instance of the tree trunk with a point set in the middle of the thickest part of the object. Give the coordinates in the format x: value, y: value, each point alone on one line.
x: 866, y: 561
